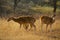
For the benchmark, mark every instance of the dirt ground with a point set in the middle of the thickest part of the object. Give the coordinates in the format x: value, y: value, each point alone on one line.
x: 12, y: 31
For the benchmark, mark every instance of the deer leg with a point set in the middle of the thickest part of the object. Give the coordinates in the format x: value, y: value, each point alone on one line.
x: 31, y: 25
x: 50, y: 27
x: 26, y: 26
x: 34, y: 26
x: 20, y: 25
x: 46, y: 27
x: 41, y: 26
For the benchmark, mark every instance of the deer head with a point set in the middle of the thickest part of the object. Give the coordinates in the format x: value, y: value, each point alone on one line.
x: 10, y: 19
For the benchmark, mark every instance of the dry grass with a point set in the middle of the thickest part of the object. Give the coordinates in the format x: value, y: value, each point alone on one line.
x: 11, y: 31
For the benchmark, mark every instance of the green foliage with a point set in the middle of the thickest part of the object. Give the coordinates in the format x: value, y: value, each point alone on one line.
x: 44, y: 6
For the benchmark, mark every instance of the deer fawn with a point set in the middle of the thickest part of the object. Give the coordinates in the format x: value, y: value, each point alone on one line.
x: 24, y: 21
x: 48, y: 21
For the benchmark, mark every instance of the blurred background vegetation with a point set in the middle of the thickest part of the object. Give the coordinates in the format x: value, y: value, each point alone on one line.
x: 26, y: 7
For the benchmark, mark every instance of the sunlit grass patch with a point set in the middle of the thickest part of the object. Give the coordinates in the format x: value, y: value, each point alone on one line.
x: 58, y: 3
x: 44, y: 9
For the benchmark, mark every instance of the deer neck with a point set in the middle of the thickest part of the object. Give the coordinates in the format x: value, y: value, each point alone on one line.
x: 53, y: 19
x: 53, y: 16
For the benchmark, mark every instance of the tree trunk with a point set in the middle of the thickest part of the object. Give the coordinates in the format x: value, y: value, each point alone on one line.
x: 55, y: 6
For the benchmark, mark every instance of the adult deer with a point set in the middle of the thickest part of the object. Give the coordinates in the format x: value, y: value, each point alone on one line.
x: 24, y: 21
x: 48, y: 21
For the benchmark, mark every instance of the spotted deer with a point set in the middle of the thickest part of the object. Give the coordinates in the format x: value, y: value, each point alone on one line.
x: 24, y: 21
x: 48, y: 21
